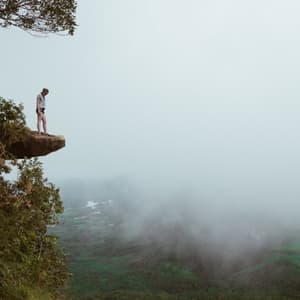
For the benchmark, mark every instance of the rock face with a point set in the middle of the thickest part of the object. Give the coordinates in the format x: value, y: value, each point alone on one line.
x: 37, y: 145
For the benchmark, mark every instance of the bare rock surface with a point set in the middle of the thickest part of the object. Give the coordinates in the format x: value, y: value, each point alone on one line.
x: 36, y: 144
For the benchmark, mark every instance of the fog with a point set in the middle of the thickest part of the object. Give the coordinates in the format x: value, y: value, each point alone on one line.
x: 195, y: 103
x: 210, y: 232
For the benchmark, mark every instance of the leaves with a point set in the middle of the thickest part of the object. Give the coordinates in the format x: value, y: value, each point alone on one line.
x: 12, y: 125
x: 39, y: 15
x: 29, y: 256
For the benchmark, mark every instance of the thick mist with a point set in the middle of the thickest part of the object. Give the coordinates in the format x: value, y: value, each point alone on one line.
x: 207, y: 231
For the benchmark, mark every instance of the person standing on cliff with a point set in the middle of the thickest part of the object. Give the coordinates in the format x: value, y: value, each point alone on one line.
x: 40, y: 110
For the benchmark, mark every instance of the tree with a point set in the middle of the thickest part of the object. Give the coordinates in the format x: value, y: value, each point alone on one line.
x: 29, y: 255
x: 42, y: 16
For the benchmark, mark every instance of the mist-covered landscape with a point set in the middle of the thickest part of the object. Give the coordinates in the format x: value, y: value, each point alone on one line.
x: 121, y: 247
x: 149, y: 150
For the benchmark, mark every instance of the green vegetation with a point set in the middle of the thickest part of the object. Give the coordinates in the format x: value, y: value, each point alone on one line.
x: 200, y: 295
x: 32, y: 266
x: 107, y: 266
x: 39, y: 15
x: 31, y: 263
x: 12, y: 128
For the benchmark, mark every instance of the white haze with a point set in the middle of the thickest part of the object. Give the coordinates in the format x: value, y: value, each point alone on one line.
x: 181, y: 98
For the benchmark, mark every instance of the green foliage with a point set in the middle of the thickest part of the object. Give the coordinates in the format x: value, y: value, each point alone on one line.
x: 12, y: 129
x: 12, y: 122
x: 29, y: 256
x: 39, y: 15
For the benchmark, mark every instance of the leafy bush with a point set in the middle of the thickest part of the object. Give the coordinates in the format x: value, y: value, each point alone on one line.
x: 29, y: 256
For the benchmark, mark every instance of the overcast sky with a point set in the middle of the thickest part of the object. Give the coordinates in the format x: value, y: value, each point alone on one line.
x: 176, y: 92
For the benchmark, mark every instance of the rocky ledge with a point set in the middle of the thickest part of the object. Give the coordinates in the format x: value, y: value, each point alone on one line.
x: 36, y: 144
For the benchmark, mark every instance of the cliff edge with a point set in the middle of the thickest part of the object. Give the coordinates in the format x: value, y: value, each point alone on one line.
x: 36, y: 145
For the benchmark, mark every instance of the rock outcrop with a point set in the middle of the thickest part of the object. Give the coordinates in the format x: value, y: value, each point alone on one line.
x: 37, y: 145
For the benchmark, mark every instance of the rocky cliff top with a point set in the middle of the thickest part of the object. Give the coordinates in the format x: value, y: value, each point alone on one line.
x: 36, y: 144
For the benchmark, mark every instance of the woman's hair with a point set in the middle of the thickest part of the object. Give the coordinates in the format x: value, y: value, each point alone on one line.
x: 45, y: 90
